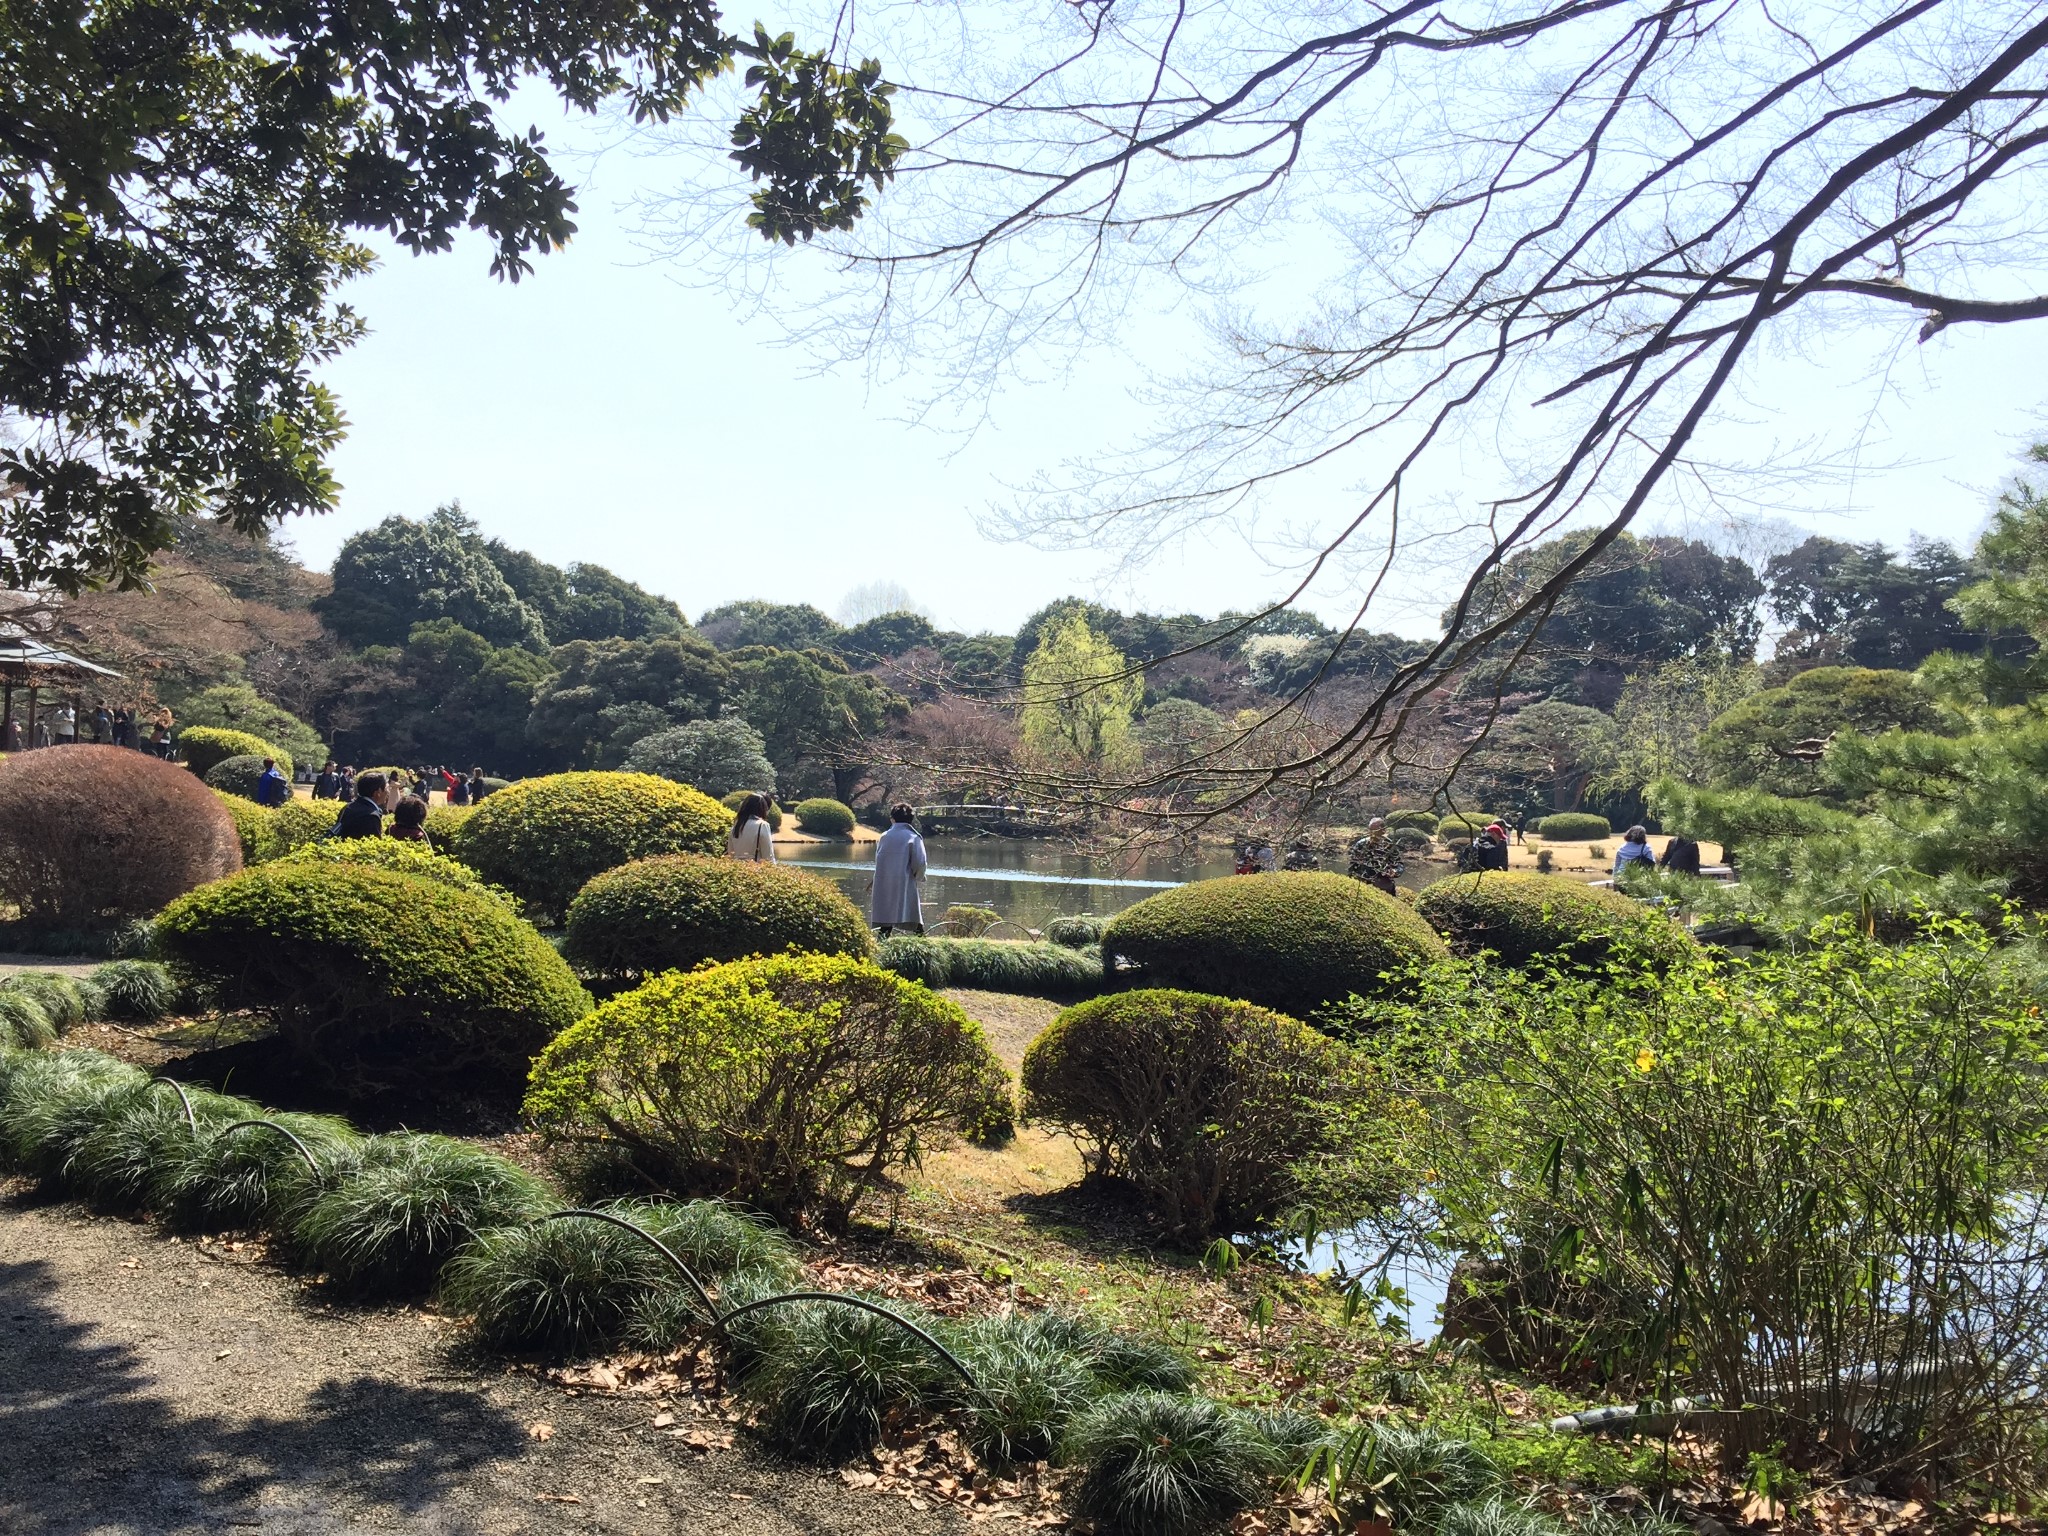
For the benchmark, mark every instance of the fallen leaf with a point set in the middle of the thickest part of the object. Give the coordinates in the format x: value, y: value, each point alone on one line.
x: 663, y: 1420
x: 223, y: 1354
x: 650, y: 1482
x: 540, y: 1431
x: 558, y: 1498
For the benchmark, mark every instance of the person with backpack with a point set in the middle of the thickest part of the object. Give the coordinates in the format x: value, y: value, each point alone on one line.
x: 1634, y: 853
x: 272, y: 789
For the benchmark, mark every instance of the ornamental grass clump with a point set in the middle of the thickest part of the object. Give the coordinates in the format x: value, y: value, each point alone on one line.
x: 136, y: 989
x: 1294, y: 941
x: 993, y: 965
x: 47, y: 1096
x: 545, y: 839
x: 1530, y: 918
x: 24, y: 1022
x: 66, y: 1001
x: 253, y: 1176
x: 1028, y: 1388
x: 834, y: 1374
x: 1401, y: 1474
x: 1206, y: 1107
x: 118, y: 1144
x: 794, y: 1083
x: 674, y: 913
x: 1159, y: 1464
x: 402, y: 1207
x: 1079, y: 932
x: 374, y: 976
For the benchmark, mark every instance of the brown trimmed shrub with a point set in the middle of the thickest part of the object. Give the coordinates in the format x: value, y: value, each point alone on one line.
x: 1203, y: 1105
x: 92, y: 837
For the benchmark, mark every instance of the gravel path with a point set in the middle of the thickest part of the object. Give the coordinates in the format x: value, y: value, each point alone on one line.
x: 148, y: 1386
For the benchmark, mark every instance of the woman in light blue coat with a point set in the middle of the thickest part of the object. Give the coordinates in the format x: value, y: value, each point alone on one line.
x: 899, y: 872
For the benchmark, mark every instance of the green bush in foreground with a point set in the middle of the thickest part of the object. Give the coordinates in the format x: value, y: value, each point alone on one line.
x: 834, y: 1374
x: 1573, y: 827
x: 1290, y: 941
x: 1204, y: 1105
x: 119, y: 1145
x: 374, y: 975
x: 252, y: 1177
x: 42, y: 1094
x: 993, y: 965
x: 793, y: 1083
x: 824, y: 818
x: 204, y: 747
x: 298, y: 822
x: 255, y: 827
x: 404, y: 1207
x: 674, y: 913
x: 1526, y: 918
x: 403, y: 857
x: 544, y: 839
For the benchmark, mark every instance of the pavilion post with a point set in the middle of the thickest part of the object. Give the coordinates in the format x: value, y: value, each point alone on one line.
x: 6, y: 713
x: 30, y: 739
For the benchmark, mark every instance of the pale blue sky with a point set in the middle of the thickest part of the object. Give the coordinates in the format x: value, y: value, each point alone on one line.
x: 603, y: 410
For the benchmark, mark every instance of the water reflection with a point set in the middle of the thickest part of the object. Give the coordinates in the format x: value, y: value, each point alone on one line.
x: 1028, y: 880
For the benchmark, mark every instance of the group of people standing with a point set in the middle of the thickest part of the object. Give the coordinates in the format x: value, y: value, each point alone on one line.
x: 333, y: 783
x: 896, y: 899
x: 372, y: 798
x: 101, y: 726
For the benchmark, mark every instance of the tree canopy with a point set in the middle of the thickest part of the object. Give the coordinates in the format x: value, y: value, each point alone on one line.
x: 184, y: 186
x: 402, y: 573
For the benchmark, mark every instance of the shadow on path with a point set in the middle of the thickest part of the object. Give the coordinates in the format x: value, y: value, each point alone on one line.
x: 90, y: 1446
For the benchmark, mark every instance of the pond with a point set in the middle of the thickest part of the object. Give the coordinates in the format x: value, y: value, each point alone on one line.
x: 1029, y: 880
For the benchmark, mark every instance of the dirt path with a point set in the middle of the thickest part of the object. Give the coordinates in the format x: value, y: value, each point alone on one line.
x: 149, y: 1387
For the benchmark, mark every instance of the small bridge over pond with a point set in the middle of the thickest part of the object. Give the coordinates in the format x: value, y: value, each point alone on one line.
x: 1006, y: 820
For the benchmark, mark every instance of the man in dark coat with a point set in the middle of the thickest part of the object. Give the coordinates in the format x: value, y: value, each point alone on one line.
x: 364, y: 815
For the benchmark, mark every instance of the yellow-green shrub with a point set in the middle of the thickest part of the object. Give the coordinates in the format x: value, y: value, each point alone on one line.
x: 204, y: 746
x: 543, y: 839
x: 676, y: 912
x: 255, y: 827
x: 1292, y: 941
x: 1204, y: 1105
x: 1573, y: 827
x: 793, y: 1083
x: 404, y: 856
x: 1524, y: 917
x: 824, y: 818
x: 373, y: 975
x: 298, y: 822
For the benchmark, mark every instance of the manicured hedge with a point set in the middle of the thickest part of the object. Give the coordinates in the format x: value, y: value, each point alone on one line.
x: 544, y: 839
x: 994, y: 965
x: 94, y: 837
x: 1573, y: 827
x: 1291, y: 941
x: 205, y: 746
x: 376, y: 976
x: 824, y: 818
x: 1204, y: 1105
x: 674, y: 913
x: 1527, y: 917
x: 794, y: 1083
x: 404, y: 856
x: 255, y: 827
x: 1078, y: 932
x: 298, y: 822
x: 236, y: 775
x: 1422, y: 821
x: 1465, y: 826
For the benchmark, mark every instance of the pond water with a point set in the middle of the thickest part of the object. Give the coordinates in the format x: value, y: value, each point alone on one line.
x: 1028, y: 880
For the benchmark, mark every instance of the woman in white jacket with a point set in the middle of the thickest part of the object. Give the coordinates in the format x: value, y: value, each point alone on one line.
x: 751, y: 838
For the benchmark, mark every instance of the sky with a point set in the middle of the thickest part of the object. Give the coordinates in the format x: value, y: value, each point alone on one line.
x: 611, y: 409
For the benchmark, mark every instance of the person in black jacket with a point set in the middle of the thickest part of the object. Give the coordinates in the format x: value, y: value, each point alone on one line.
x: 364, y: 815
x: 1681, y: 855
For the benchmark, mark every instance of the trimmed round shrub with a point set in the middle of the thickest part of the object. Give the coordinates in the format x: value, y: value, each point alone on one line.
x: 1421, y: 821
x: 1524, y: 918
x: 205, y: 747
x: 1291, y: 941
x: 236, y: 776
x: 733, y: 801
x: 136, y: 989
x: 404, y: 856
x: 298, y: 822
x: 1412, y: 840
x: 1464, y: 826
x: 1074, y: 932
x: 61, y: 997
x: 25, y: 1024
x: 255, y: 828
x: 403, y: 1207
x: 1573, y: 827
x: 1158, y: 1464
x: 1203, y: 1105
x: 376, y: 976
x: 544, y: 839
x: 969, y: 922
x: 824, y: 818
x: 94, y: 837
x: 674, y: 913
x: 793, y: 1083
